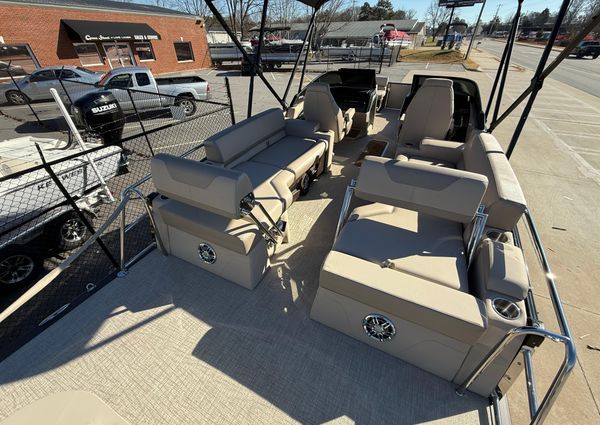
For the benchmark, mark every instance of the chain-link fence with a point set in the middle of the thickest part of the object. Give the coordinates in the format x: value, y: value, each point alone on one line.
x: 56, y: 192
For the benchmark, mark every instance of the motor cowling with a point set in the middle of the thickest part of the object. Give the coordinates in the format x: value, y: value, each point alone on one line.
x: 100, y: 114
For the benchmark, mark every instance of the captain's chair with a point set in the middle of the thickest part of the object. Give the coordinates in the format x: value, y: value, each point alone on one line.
x: 321, y: 107
x: 429, y: 114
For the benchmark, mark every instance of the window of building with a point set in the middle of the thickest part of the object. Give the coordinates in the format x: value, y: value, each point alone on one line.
x: 184, y: 52
x: 16, y: 60
x: 88, y: 54
x: 144, y: 51
x: 142, y: 79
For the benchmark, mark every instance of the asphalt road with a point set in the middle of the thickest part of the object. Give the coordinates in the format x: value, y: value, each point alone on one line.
x: 583, y: 74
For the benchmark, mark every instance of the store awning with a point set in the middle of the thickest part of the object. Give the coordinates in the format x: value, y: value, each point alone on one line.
x: 110, y: 31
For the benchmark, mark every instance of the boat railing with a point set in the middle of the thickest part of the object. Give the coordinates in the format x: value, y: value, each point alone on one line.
x: 534, y: 334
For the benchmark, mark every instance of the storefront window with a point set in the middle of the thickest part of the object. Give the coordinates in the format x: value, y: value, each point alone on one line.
x: 16, y: 60
x: 183, y: 50
x: 88, y: 54
x: 144, y: 51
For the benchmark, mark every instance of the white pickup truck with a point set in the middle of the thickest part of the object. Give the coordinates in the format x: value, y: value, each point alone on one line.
x: 150, y: 93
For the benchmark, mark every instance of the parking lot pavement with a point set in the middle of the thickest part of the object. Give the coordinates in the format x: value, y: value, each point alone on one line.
x: 557, y: 163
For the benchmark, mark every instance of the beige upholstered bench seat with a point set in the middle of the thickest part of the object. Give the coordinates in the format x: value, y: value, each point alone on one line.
x: 482, y: 154
x: 293, y: 154
x: 268, y: 138
x: 238, y: 235
x: 419, y: 246
x: 428, y: 304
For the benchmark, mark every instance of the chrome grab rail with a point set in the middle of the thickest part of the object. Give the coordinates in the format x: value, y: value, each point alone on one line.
x: 537, y: 414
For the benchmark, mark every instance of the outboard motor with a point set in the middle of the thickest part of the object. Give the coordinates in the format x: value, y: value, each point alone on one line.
x: 100, y: 114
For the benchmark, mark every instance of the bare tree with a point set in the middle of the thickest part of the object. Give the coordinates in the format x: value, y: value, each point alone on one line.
x: 576, y: 9
x: 326, y: 15
x: 435, y: 16
x: 193, y: 7
x: 411, y: 14
x: 239, y: 13
x: 284, y: 11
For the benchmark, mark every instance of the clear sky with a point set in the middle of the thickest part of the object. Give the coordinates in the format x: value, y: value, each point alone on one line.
x: 507, y: 8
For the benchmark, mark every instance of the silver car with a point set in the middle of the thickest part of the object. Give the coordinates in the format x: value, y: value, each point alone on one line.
x: 37, y: 85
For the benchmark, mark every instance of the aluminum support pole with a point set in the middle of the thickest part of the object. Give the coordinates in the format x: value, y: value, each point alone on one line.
x: 304, y: 44
x: 593, y: 23
x: 261, y: 35
x: 510, y: 44
x: 538, y: 77
x: 496, y: 79
x: 233, y: 37
x: 310, y: 37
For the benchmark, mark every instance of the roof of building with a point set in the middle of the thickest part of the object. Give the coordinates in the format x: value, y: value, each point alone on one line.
x: 418, y: 27
x: 104, y: 5
x: 361, y: 29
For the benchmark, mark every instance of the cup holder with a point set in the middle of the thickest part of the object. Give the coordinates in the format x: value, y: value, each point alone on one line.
x: 498, y: 237
x: 506, y: 308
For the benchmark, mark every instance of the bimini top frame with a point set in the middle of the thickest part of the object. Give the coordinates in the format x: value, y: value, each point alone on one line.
x: 541, y: 72
x: 256, y: 61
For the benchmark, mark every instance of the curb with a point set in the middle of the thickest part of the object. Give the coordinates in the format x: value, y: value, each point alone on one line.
x: 478, y: 69
x: 535, y: 46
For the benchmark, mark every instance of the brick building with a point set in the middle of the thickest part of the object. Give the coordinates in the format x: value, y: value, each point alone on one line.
x: 100, y: 35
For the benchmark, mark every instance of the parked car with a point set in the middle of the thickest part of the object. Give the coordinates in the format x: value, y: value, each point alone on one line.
x: 15, y: 70
x: 37, y: 85
x: 587, y: 48
x: 150, y: 93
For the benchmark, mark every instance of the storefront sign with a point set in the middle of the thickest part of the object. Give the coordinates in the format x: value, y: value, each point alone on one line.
x: 100, y: 37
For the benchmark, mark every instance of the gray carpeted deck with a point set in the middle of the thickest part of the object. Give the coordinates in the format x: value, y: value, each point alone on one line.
x: 173, y: 344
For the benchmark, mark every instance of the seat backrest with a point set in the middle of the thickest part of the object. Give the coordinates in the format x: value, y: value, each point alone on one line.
x: 201, y: 185
x: 382, y: 82
x: 321, y: 107
x: 504, y: 199
x: 430, y: 112
x: 246, y: 138
x: 442, y: 192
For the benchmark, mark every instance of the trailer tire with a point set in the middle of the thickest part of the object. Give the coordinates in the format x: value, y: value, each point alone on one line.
x: 187, y: 103
x: 19, y: 266
x: 68, y: 231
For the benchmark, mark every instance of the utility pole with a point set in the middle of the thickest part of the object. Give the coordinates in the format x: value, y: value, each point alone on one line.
x: 494, y: 19
x: 475, y: 30
x: 447, y: 29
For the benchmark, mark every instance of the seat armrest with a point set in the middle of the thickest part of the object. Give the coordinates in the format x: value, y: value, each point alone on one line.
x: 442, y: 192
x: 349, y: 114
x: 442, y: 150
x: 301, y: 128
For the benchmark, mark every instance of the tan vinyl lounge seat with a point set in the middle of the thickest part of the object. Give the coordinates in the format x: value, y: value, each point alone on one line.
x: 430, y: 112
x: 403, y: 259
x: 504, y: 199
x: 321, y: 107
x: 202, y: 214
